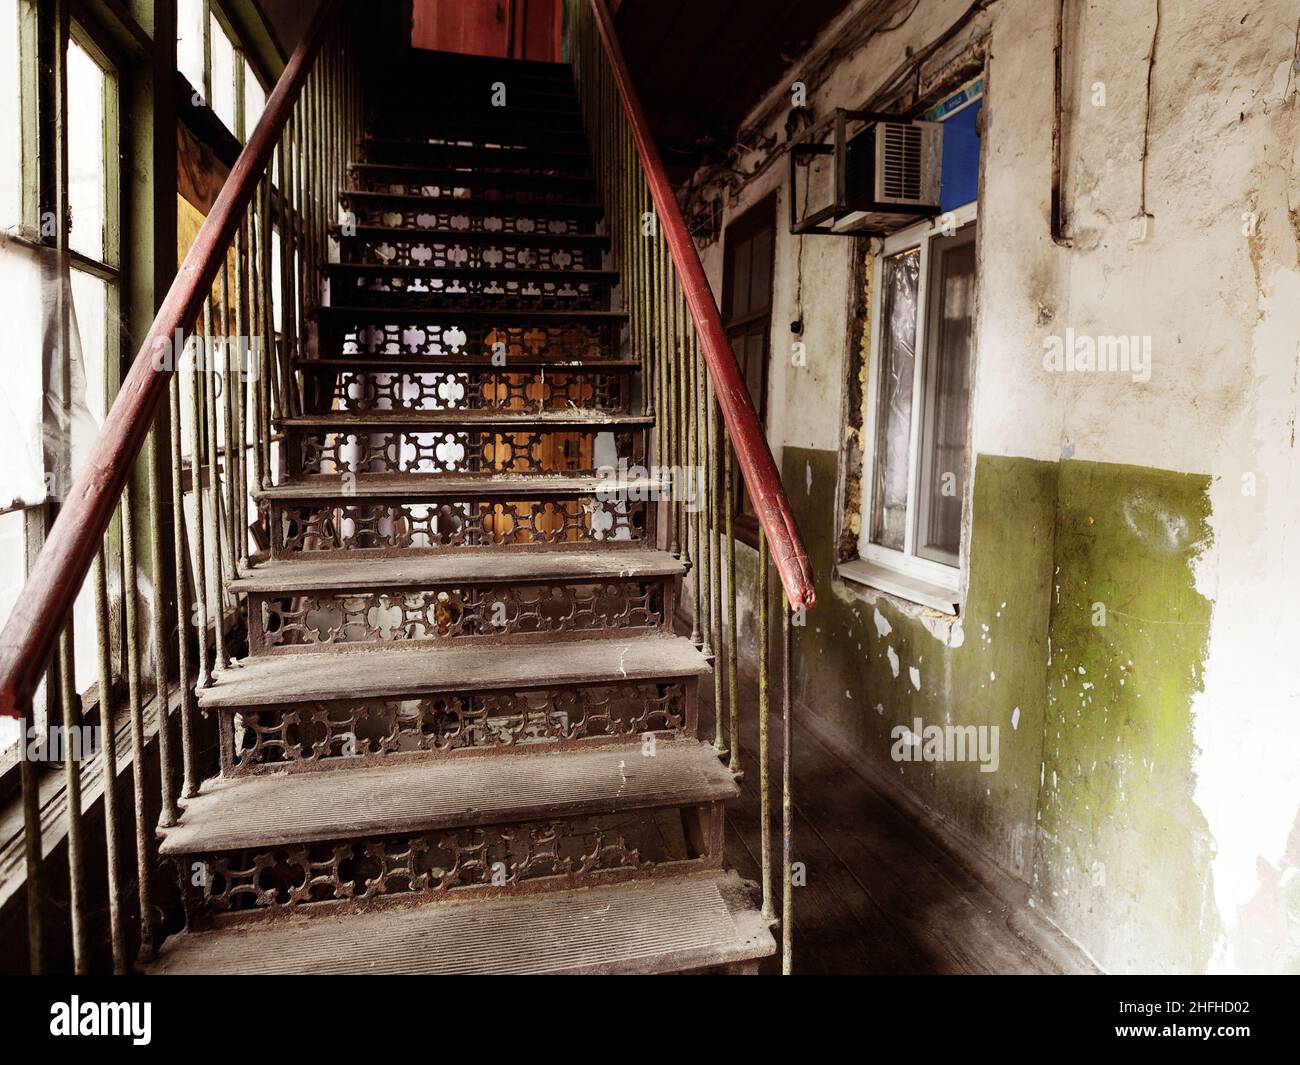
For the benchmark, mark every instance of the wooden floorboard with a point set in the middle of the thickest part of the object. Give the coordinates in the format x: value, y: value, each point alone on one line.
x: 883, y: 896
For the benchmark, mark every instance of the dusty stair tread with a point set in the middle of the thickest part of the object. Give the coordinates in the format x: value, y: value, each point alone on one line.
x: 454, y: 486
x: 584, y: 209
x: 386, y: 363
x: 374, y: 673
x: 437, y: 175
x: 484, y: 273
x: 398, y: 311
x: 664, y: 924
x: 498, y: 567
x: 272, y: 809
x: 485, y: 417
x: 472, y: 236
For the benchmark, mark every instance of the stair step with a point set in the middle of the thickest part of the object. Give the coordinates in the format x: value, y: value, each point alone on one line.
x: 542, y: 111
x: 389, y: 672
x: 543, y: 186
x: 274, y: 809
x: 656, y: 925
x: 497, y: 486
x: 512, y: 160
x: 449, y: 273
x: 444, y: 364
x: 597, y: 241
x: 508, y: 133
x: 425, y: 571
x: 495, y: 315
x: 503, y: 421
x: 584, y: 209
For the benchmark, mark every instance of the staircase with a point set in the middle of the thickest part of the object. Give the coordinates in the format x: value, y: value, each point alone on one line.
x: 465, y: 737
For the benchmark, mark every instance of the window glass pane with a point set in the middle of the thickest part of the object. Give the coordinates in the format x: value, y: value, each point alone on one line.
x: 11, y: 114
x: 254, y: 101
x: 740, y: 284
x: 947, y: 397
x: 890, y: 488
x: 189, y: 41
x: 22, y: 474
x: 223, y: 75
x: 90, y: 307
x: 760, y: 271
x: 86, y: 169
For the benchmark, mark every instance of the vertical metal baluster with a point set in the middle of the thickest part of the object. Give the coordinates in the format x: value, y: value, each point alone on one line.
x: 189, y: 783
x: 71, y: 706
x: 226, y: 428
x: 135, y: 710
x: 733, y: 664
x: 197, y: 421
x: 212, y: 513
x: 706, y: 549
x: 158, y: 626
x: 690, y: 470
x: 256, y: 335
x: 680, y: 350
x: 117, y: 935
x: 715, y: 572
x: 237, y: 376
x: 764, y: 768
x: 33, y: 849
x: 787, y: 809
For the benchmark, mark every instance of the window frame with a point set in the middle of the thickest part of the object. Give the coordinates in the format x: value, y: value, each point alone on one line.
x: 749, y: 223
x: 924, y: 580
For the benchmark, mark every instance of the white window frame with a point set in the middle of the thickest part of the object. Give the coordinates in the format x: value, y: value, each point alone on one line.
x: 904, y: 573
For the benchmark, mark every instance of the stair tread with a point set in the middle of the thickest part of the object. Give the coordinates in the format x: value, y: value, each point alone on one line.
x: 383, y: 363
x: 580, y: 417
x: 475, y: 236
x: 283, y: 575
x: 663, y: 924
x: 493, y: 313
x: 588, y: 208
x: 482, y: 273
x: 469, y: 178
x: 237, y: 813
x: 267, y: 680
x: 507, y: 485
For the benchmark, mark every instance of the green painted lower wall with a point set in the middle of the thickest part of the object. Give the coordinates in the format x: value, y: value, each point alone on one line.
x: 1092, y: 800
x: 1123, y: 850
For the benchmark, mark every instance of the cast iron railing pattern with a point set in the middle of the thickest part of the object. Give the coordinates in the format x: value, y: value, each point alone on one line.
x: 706, y: 415
x: 283, y: 189
x: 226, y: 436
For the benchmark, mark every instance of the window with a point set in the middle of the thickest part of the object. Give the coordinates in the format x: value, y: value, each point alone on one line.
x: 209, y: 56
x: 747, y: 318
x: 916, y: 426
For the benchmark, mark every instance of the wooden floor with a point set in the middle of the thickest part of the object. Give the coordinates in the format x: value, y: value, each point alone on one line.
x: 883, y: 895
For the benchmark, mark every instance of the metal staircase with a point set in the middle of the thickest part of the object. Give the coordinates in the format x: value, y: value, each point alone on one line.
x: 464, y: 737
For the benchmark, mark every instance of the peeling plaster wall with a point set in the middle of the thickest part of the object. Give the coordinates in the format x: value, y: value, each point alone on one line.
x: 1156, y: 814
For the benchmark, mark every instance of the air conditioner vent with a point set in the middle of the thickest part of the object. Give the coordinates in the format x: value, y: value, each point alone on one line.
x: 901, y: 170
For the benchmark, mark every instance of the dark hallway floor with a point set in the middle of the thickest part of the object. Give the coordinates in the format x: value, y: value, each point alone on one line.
x: 884, y: 896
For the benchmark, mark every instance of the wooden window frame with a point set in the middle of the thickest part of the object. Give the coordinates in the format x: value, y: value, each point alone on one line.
x: 753, y: 220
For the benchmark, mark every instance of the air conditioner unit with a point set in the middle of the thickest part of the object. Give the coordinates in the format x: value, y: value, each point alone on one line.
x: 883, y: 173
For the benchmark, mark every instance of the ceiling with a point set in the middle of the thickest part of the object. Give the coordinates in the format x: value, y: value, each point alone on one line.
x: 701, y: 65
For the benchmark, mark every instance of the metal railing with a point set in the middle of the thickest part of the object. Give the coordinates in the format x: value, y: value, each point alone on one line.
x: 203, y: 410
x: 705, y: 417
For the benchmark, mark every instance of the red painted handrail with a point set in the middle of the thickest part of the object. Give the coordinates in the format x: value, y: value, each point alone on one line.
x: 762, y: 479
x: 46, y: 600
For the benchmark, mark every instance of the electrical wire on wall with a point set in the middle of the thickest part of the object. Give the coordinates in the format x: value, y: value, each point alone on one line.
x: 1146, y: 126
